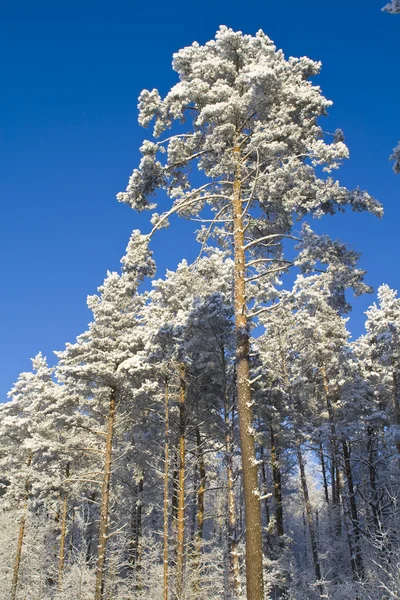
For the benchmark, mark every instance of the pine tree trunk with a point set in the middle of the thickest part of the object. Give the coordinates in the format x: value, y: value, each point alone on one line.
x: 254, y: 554
x: 277, y: 481
x: 175, y: 485
x: 61, y: 560
x: 396, y: 405
x: 200, y: 488
x: 265, y: 486
x: 357, y: 563
x: 18, y: 555
x: 335, y: 475
x: 323, y: 469
x: 231, y: 521
x: 375, y: 502
x: 17, y: 562
x: 310, y: 521
x: 166, y: 496
x: 105, y: 500
x: 180, y: 549
x: 138, y: 534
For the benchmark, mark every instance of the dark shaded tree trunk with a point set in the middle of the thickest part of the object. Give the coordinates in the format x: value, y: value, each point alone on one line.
x: 310, y: 521
x: 277, y: 483
x: 357, y: 561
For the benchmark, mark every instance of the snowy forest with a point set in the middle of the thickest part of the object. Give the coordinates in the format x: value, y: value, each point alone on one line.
x: 216, y: 432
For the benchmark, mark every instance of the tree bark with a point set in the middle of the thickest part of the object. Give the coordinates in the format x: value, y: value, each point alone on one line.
x: 254, y: 554
x: 200, y: 487
x: 277, y: 480
x: 323, y: 469
x: 231, y: 520
x: 105, y: 500
x: 335, y: 475
x: 180, y: 549
x: 310, y: 521
x: 61, y: 560
x: 17, y: 562
x: 396, y: 405
x: 166, y: 496
x: 357, y: 562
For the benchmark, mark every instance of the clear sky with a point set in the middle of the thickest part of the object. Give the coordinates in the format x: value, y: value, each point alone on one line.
x: 71, y: 73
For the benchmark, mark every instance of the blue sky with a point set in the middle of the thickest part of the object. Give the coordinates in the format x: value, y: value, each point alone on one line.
x: 70, y: 76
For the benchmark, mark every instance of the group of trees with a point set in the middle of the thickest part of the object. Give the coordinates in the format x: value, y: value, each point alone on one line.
x: 217, y: 434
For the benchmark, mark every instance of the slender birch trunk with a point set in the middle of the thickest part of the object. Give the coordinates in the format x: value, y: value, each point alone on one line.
x: 105, y: 500
x: 166, y: 495
x: 180, y: 549
x: 22, y: 524
x: 254, y: 554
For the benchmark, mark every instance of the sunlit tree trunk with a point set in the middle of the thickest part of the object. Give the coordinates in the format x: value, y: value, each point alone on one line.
x: 105, y: 500
x: 61, y: 560
x: 180, y: 547
x: 231, y: 517
x: 17, y: 562
x: 166, y: 496
x: 254, y: 554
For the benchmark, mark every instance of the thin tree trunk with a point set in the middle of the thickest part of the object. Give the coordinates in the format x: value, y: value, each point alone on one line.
x: 175, y: 486
x: 277, y: 480
x: 202, y: 487
x: 231, y: 520
x: 166, y: 495
x: 180, y: 549
x: 17, y: 562
x: 138, y: 533
x: 396, y: 405
x: 61, y: 560
x: 265, y: 486
x: 335, y: 474
x: 200, y: 491
x: 310, y: 521
x: 323, y: 469
x: 375, y: 502
x: 254, y: 554
x: 105, y: 500
x: 357, y: 563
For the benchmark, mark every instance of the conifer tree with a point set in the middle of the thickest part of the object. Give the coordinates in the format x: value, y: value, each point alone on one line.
x: 251, y: 129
